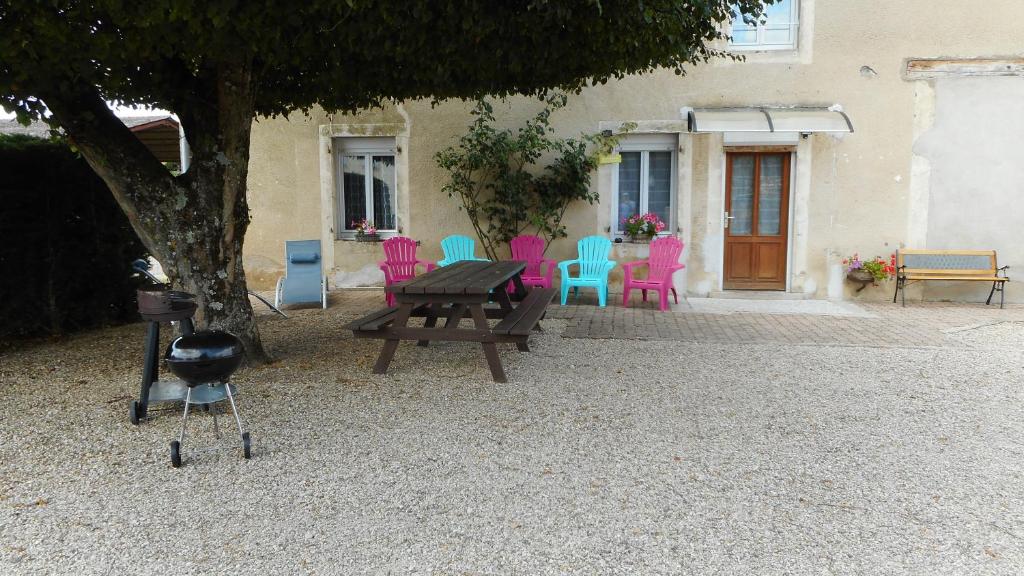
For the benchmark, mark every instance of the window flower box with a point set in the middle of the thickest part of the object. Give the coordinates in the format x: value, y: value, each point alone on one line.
x: 363, y: 237
x: 365, y: 232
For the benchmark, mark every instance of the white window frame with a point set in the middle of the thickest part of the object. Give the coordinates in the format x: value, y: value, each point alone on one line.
x: 760, y: 45
x: 646, y: 143
x: 367, y: 147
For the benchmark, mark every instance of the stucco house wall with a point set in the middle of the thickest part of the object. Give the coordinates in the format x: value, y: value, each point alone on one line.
x: 904, y: 178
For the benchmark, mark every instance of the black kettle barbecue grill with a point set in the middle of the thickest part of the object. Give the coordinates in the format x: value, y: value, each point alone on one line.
x: 204, y: 361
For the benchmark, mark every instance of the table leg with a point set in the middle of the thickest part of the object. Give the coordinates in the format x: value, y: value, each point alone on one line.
x: 430, y: 322
x: 490, y: 348
x: 517, y: 281
x: 390, y: 345
x: 501, y: 296
x: 454, y: 316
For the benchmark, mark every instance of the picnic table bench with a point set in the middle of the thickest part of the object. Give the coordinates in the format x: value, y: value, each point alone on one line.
x: 454, y: 292
x: 956, y: 265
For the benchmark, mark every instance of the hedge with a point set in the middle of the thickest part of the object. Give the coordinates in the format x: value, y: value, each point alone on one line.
x: 65, y: 245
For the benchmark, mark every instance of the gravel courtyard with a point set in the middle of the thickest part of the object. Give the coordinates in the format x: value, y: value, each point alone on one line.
x: 602, y: 455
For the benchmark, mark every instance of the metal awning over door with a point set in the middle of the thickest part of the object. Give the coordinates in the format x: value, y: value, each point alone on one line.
x: 798, y: 120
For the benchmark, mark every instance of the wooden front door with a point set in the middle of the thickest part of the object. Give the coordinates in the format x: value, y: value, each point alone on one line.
x: 757, y: 220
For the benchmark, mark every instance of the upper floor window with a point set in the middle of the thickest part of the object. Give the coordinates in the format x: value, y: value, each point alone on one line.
x: 365, y: 177
x: 645, y: 180
x: 776, y: 30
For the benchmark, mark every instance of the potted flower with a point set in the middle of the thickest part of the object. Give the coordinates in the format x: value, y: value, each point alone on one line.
x: 365, y: 231
x: 642, y: 227
x: 867, y: 272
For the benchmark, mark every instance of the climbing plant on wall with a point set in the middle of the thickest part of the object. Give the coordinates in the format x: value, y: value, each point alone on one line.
x: 503, y: 184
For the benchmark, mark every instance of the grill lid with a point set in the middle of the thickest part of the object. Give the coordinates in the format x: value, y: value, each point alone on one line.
x: 209, y: 356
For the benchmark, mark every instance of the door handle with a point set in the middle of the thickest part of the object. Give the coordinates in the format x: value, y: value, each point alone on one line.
x: 726, y: 219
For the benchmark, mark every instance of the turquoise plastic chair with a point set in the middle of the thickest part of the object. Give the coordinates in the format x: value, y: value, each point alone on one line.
x: 458, y: 248
x: 594, y: 267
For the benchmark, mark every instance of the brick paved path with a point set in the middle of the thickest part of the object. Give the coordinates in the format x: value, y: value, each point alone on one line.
x: 917, y: 325
x: 932, y: 324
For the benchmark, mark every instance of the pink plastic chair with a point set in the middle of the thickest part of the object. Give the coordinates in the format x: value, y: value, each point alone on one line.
x: 662, y: 263
x: 531, y: 250
x: 400, y: 262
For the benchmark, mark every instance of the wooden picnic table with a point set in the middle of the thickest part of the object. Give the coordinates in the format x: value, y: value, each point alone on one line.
x: 454, y: 292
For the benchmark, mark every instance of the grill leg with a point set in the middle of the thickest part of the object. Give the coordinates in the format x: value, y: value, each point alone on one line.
x: 184, y: 418
x: 151, y: 367
x: 216, y: 428
x: 234, y: 410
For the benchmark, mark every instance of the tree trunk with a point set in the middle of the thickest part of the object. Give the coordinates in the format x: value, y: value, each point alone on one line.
x: 205, y: 259
x: 194, y: 224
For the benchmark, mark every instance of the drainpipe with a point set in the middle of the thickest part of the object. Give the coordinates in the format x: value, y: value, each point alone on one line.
x: 183, y: 149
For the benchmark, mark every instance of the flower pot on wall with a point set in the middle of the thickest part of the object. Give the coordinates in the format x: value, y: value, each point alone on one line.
x: 862, y: 277
x: 368, y: 238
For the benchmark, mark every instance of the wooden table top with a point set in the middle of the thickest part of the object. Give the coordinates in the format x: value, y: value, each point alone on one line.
x: 466, y: 277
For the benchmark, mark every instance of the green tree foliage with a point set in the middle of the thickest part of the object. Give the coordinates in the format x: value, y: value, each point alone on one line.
x: 496, y: 177
x: 218, y: 64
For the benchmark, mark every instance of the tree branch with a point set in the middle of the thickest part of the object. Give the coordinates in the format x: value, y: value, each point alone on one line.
x: 135, y: 177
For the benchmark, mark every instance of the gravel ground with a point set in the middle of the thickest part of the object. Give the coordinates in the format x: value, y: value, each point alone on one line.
x: 598, y: 457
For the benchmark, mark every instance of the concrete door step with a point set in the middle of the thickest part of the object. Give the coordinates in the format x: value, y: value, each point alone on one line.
x: 761, y: 306
x: 760, y: 295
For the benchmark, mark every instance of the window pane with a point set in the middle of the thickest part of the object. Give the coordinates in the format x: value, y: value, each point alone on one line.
x: 741, y: 195
x: 777, y: 27
x: 778, y: 36
x: 353, y: 181
x: 780, y: 13
x: 384, y: 192
x: 740, y: 20
x: 659, y: 185
x: 742, y: 32
x: 744, y: 36
x: 629, y: 186
x: 769, y: 201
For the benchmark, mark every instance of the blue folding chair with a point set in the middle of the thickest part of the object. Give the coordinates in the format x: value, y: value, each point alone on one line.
x: 458, y: 248
x: 304, y: 280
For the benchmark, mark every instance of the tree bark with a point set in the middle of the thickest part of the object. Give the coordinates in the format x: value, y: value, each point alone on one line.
x: 195, y: 223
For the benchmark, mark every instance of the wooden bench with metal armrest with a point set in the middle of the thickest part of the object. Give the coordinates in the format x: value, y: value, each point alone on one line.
x: 950, y: 265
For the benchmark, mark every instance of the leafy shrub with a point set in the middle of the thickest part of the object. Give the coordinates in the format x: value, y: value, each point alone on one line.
x: 496, y: 175
x: 66, y: 245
